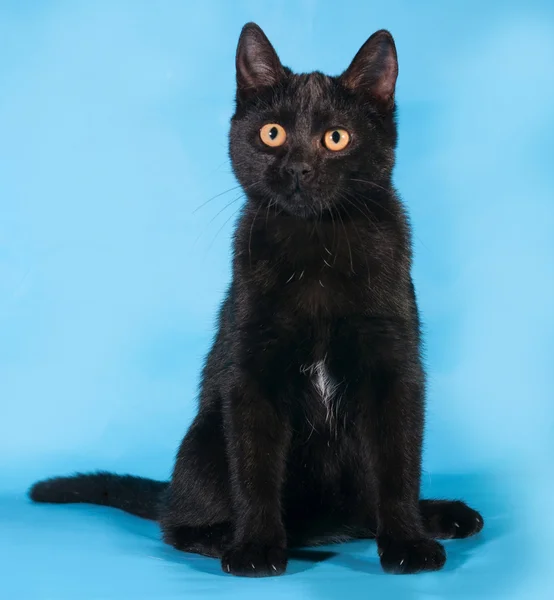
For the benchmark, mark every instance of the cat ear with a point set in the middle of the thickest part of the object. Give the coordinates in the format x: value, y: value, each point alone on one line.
x: 374, y: 69
x: 258, y: 65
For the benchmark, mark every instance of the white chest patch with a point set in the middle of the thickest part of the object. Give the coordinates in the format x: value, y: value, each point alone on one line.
x: 323, y: 383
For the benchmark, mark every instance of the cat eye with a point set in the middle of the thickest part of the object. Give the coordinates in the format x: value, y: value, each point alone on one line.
x: 336, y: 139
x: 273, y: 135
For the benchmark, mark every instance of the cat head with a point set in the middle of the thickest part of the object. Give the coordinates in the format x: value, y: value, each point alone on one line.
x: 310, y: 144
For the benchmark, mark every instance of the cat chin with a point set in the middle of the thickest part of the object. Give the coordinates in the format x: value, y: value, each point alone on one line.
x: 298, y: 205
x: 301, y: 211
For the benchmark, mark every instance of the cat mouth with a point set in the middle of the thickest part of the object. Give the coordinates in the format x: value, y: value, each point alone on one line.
x: 299, y: 196
x: 299, y: 203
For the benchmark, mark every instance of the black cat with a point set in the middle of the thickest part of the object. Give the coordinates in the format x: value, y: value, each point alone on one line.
x: 312, y: 404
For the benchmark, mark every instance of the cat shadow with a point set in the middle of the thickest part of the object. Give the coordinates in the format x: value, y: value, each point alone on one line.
x: 353, y: 560
x: 358, y: 563
x: 479, y: 490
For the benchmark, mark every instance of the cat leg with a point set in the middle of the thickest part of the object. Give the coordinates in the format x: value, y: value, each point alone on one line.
x: 390, y: 400
x: 196, y: 511
x: 446, y: 519
x: 208, y: 540
x: 397, y: 416
x: 258, y: 436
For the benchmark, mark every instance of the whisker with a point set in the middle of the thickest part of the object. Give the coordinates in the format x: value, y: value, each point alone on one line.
x: 369, y: 199
x: 269, y: 205
x: 347, y: 241
x: 221, y: 229
x: 361, y: 241
x: 236, y: 187
x: 371, y: 183
x: 384, y: 207
x: 239, y: 197
x: 333, y: 245
x: 367, y: 215
x: 226, y: 161
x: 250, y: 235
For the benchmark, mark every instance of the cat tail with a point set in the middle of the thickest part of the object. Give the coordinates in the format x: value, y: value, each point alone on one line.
x: 135, y: 495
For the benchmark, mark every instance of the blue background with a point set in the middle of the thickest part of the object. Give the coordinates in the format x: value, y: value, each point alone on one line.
x: 113, y: 125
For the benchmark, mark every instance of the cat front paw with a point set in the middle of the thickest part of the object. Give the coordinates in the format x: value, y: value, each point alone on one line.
x: 410, y: 556
x: 446, y: 519
x: 255, y: 560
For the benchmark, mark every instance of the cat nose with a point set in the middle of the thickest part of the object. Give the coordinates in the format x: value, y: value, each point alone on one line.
x: 299, y: 171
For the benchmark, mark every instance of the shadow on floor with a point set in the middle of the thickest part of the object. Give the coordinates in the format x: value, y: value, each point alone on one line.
x: 485, y: 566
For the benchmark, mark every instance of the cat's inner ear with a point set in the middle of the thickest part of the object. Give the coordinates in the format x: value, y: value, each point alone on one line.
x: 374, y: 69
x: 258, y: 65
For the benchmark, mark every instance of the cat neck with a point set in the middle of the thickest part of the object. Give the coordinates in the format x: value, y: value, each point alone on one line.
x: 341, y: 239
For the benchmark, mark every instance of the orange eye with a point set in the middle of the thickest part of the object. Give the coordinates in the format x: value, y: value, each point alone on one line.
x: 273, y: 135
x: 336, y: 139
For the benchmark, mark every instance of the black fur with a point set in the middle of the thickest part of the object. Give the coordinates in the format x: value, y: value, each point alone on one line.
x: 134, y: 495
x: 321, y: 289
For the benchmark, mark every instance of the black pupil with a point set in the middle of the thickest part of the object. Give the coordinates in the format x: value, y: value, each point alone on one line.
x: 335, y: 136
x: 273, y: 133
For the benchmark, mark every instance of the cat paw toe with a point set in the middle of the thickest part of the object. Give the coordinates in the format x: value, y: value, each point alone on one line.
x: 255, y: 560
x: 450, y: 519
x: 411, y: 556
